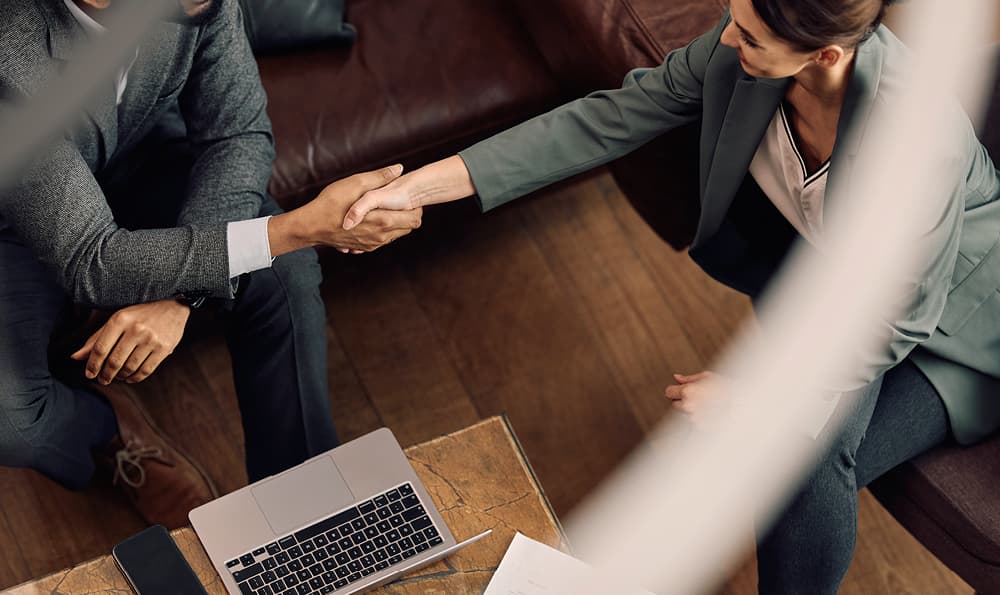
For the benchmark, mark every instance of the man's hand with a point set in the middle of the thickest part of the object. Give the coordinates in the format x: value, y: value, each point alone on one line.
x: 694, y: 394
x: 320, y: 221
x: 134, y: 341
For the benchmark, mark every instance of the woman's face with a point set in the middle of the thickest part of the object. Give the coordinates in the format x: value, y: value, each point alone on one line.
x: 762, y: 53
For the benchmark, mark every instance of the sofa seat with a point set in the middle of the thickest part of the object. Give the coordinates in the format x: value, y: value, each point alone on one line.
x: 948, y: 498
x: 425, y: 78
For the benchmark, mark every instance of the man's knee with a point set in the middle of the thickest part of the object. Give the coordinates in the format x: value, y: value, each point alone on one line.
x: 293, y: 278
x: 285, y: 296
x: 299, y: 273
x: 23, y: 402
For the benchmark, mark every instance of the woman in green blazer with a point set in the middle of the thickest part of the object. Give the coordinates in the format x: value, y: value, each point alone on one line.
x: 784, y: 90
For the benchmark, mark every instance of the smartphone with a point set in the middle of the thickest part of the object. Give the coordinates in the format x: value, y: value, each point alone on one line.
x: 153, y: 565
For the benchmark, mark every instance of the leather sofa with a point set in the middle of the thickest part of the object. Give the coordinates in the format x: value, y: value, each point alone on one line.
x: 428, y: 77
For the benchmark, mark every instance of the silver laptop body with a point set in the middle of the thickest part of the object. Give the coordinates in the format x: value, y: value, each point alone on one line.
x: 345, y: 521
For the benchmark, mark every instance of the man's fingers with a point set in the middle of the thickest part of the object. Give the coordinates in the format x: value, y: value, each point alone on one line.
x: 372, y: 180
x: 116, y: 359
x: 134, y: 362
x: 107, y: 338
x: 674, y: 392
x: 148, y: 367
x: 406, y: 220
x: 82, y: 353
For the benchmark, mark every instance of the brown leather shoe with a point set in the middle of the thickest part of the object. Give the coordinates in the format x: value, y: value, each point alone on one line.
x: 162, y: 482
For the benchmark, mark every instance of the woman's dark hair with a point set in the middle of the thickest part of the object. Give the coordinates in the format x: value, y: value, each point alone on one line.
x: 814, y: 24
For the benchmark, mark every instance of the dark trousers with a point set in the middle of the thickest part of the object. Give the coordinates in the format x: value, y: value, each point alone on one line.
x: 809, y: 547
x: 275, y: 330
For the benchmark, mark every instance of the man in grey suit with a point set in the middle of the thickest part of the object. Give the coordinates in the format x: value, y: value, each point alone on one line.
x: 154, y: 201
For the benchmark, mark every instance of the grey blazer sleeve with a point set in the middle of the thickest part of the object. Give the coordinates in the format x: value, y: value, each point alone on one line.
x: 593, y: 130
x: 60, y: 212
x: 224, y: 107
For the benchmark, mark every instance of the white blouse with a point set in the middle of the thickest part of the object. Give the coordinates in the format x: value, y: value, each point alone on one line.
x: 780, y: 171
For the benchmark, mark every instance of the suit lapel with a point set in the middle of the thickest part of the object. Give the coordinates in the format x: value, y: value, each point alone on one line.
x: 750, y: 110
x: 97, y: 141
x: 148, y: 79
x: 854, y: 115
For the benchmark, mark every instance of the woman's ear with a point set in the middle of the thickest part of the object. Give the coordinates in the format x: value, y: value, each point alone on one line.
x: 829, y: 56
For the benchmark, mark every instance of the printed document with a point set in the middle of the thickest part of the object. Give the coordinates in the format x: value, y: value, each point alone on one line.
x: 533, y: 568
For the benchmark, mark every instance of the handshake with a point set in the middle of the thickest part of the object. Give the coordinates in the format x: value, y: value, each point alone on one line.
x: 369, y: 210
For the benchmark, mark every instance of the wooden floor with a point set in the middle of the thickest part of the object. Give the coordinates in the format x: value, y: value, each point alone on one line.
x: 563, y: 311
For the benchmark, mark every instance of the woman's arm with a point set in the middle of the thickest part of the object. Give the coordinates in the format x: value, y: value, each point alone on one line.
x: 570, y: 139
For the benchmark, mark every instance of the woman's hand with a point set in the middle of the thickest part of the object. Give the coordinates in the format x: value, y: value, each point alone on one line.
x: 695, y: 394
x: 394, y: 196
x: 442, y: 181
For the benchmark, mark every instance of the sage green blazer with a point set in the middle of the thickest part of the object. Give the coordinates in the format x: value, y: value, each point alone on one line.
x: 951, y: 328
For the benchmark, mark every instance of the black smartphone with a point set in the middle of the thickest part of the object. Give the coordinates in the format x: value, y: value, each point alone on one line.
x: 153, y: 565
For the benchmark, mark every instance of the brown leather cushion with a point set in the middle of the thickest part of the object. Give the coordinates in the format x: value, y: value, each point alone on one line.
x: 425, y: 77
x: 623, y: 34
x: 949, y: 499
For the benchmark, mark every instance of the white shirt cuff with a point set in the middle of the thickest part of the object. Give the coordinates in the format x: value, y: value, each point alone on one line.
x: 248, y: 246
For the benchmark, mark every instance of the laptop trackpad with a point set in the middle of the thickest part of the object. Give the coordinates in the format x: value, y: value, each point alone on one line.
x: 310, y: 492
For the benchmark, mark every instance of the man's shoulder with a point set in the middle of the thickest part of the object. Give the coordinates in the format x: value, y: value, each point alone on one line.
x: 23, y: 43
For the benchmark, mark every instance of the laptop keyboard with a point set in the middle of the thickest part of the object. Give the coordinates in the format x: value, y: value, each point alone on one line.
x: 339, y: 550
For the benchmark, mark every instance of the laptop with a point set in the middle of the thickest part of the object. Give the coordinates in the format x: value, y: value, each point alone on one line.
x: 346, y: 521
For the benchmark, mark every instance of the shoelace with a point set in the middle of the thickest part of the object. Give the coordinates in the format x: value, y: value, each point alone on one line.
x: 128, y: 461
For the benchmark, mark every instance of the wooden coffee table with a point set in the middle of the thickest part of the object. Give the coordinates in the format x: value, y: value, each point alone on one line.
x: 479, y: 478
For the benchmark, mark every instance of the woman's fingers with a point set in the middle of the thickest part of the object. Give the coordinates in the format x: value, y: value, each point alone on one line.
x: 688, y: 378
x: 674, y: 392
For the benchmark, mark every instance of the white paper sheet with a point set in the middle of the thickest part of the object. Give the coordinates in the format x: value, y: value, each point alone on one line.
x: 533, y: 568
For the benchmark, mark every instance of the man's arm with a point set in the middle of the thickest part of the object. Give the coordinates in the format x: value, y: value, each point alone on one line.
x: 59, y: 210
x: 224, y: 107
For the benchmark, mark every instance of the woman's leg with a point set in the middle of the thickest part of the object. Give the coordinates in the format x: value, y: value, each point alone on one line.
x: 909, y: 419
x: 810, y: 546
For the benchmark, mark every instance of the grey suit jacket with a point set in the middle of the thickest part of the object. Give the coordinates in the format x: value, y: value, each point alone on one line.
x: 59, y: 210
x: 954, y: 312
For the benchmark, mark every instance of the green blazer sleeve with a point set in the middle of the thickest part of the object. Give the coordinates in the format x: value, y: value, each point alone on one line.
x: 594, y: 130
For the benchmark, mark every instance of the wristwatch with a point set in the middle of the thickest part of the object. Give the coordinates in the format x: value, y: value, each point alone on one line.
x: 192, y: 302
x: 196, y: 299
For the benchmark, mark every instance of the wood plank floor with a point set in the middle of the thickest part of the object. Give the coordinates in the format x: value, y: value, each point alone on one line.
x: 563, y: 311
